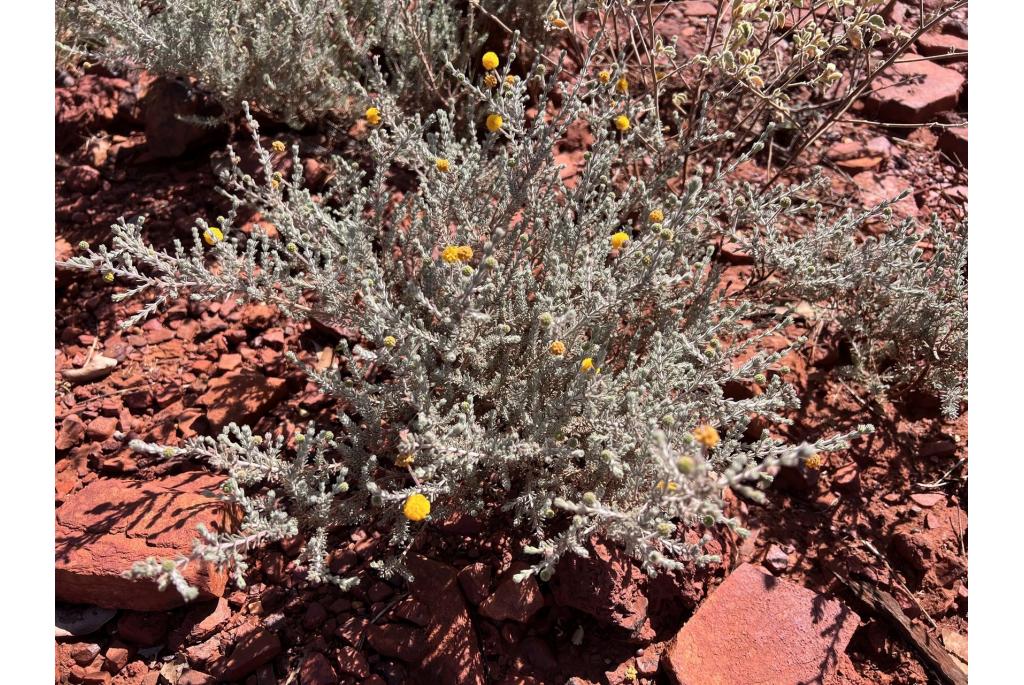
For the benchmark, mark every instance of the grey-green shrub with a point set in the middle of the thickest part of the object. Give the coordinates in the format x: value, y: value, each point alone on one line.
x: 556, y: 375
x: 296, y: 60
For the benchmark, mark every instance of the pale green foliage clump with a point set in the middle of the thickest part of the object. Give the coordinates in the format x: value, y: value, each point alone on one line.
x: 495, y: 416
x: 902, y: 311
x: 296, y: 60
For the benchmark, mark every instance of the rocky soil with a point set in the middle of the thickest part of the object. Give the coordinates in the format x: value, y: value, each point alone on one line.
x: 892, y: 511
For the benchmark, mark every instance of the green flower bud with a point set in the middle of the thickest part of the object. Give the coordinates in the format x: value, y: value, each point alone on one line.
x: 686, y: 465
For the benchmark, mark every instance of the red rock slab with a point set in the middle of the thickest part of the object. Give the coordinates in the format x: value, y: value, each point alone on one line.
x: 755, y: 628
x: 513, y: 601
x: 240, y: 397
x: 914, y: 92
x: 110, y: 524
x: 608, y: 585
x: 452, y: 652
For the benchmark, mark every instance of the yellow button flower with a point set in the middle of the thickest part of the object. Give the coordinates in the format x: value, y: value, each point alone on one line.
x: 706, y: 435
x: 494, y: 122
x: 557, y: 348
x: 417, y: 507
x: 443, y: 165
x: 622, y: 123
x: 450, y: 254
x: 490, y: 80
x: 373, y: 116
x: 622, y: 85
x: 390, y: 341
x: 277, y: 146
x: 656, y: 216
x: 490, y: 61
x: 604, y: 76
x: 619, y: 239
x: 587, y: 365
x: 464, y: 253
x: 212, y: 235
x: 404, y: 460
x: 814, y: 462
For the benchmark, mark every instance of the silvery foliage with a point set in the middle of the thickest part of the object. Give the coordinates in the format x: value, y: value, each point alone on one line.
x: 454, y: 390
x: 898, y: 299
x: 296, y: 60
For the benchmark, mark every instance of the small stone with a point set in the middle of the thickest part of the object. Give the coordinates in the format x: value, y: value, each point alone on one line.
x: 914, y: 92
x: 846, y: 478
x: 352, y: 630
x: 513, y: 601
x: 193, y: 677
x: 776, y: 559
x: 315, y: 615
x: 927, y: 500
x: 475, y: 580
x: 379, y: 591
x: 211, y: 622
x: 400, y: 641
x: 84, y: 653
x: 241, y: 397
x: 117, y: 656
x: 252, y: 651
x: 71, y: 432
x: 96, y: 678
x: 353, y: 662
x: 146, y: 629
x: 317, y: 670
x: 953, y: 142
x: 82, y: 179
x: 229, y: 362
x: 101, y: 428
x: 609, y: 586
x: 934, y: 44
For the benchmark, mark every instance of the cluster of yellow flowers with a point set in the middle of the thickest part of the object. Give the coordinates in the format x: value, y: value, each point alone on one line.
x: 456, y: 253
x: 814, y: 462
x: 706, y: 435
x: 373, y: 117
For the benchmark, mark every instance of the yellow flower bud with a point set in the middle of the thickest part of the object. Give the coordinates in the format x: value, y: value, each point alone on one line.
x: 490, y: 61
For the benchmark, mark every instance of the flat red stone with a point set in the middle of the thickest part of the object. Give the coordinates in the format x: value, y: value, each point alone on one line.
x: 110, y: 524
x: 755, y: 628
